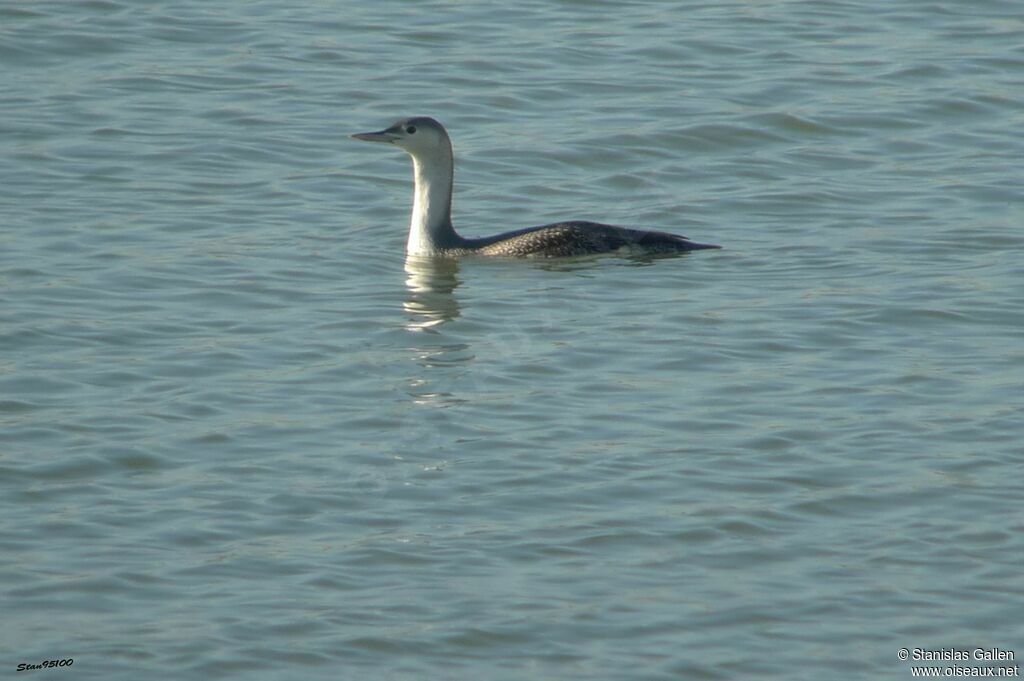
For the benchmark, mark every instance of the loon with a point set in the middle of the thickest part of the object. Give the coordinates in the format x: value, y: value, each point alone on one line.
x: 431, y: 232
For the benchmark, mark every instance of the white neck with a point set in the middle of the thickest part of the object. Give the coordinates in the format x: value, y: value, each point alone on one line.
x: 431, y: 227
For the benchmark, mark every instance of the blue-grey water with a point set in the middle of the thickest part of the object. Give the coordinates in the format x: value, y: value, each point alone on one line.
x: 242, y: 438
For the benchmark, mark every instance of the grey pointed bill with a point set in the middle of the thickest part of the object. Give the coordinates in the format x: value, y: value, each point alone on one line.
x: 381, y: 136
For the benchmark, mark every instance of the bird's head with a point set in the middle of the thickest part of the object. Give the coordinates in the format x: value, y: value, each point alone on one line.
x: 420, y: 136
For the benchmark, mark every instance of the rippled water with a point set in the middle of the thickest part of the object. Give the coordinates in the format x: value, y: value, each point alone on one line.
x: 242, y: 437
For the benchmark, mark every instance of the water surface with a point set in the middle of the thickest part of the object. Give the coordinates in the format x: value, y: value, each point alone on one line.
x: 242, y: 437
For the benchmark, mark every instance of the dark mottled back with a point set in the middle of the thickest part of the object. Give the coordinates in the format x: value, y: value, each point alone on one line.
x: 579, y: 237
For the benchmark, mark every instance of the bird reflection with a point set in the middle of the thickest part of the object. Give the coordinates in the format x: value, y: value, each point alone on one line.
x: 431, y: 283
x: 429, y: 304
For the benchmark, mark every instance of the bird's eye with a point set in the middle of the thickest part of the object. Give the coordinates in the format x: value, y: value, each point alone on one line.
x: 411, y: 130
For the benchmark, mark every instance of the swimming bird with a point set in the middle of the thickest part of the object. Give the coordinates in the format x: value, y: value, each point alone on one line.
x: 431, y: 232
